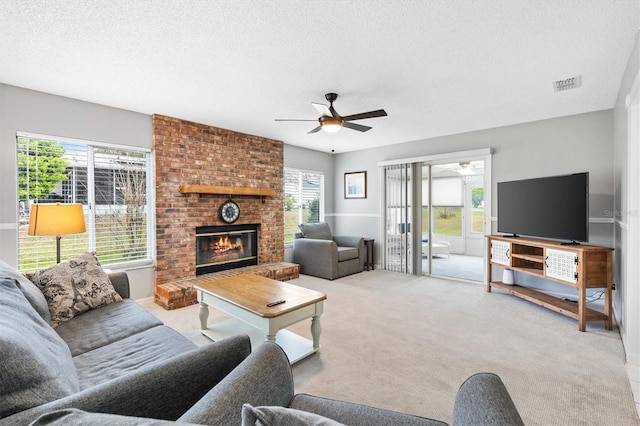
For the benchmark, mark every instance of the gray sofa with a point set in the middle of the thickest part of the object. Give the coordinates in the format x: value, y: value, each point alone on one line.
x: 260, y: 392
x: 117, y: 358
x: 118, y: 364
x: 322, y: 254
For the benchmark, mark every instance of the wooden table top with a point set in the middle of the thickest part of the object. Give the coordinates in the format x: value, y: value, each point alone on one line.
x: 253, y: 293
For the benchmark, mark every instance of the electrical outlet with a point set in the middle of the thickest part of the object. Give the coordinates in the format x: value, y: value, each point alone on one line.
x: 613, y: 286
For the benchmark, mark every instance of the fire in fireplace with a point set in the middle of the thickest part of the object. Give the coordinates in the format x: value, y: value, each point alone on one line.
x: 219, y: 248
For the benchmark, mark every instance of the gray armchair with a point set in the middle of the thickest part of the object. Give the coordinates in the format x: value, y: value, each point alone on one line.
x: 322, y: 254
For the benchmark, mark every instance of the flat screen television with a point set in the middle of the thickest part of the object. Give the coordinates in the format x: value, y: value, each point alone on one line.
x: 553, y: 207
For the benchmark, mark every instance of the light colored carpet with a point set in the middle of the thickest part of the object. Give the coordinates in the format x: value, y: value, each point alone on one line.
x: 406, y: 343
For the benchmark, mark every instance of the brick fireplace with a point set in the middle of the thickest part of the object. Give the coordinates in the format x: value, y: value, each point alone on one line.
x: 188, y: 153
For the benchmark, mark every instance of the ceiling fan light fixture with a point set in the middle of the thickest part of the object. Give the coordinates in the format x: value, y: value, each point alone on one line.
x: 330, y: 124
x: 331, y: 127
x: 330, y: 121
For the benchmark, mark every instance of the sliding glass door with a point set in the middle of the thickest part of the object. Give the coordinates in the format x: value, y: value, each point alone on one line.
x: 434, y: 215
x: 455, y: 245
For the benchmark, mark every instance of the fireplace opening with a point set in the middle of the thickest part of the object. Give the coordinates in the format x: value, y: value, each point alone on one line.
x: 219, y: 248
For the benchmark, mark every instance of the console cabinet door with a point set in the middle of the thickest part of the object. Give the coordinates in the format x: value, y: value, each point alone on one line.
x: 501, y: 252
x: 562, y: 265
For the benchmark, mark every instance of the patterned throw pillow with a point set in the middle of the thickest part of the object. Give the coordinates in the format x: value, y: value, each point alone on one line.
x: 74, y: 286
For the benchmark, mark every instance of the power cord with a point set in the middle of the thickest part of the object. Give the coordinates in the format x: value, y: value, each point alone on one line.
x: 594, y: 296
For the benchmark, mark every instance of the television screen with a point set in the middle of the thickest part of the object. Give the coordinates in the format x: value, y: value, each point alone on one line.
x: 554, y: 207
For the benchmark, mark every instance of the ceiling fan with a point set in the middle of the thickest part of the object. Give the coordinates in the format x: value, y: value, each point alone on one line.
x: 331, y: 121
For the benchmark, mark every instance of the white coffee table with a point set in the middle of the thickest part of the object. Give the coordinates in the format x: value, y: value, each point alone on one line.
x: 245, y: 297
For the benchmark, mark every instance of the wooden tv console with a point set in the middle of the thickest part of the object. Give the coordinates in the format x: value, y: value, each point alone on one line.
x: 581, y: 266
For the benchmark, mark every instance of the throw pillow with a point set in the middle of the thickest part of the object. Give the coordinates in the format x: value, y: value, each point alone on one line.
x: 318, y: 231
x: 74, y: 286
x: 35, y: 363
x: 273, y: 416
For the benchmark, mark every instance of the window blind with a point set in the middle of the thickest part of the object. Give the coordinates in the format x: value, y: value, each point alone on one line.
x: 397, y: 238
x: 303, y: 193
x: 110, y: 182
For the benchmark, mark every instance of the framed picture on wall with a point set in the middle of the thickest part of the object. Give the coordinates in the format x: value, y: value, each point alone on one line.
x: 355, y: 185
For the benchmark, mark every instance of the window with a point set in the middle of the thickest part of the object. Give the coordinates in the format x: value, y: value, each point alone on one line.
x: 303, y: 200
x: 113, y: 184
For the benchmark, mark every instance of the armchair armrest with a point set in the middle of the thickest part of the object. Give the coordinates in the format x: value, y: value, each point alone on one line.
x: 264, y: 378
x: 350, y: 241
x: 120, y: 282
x: 164, y: 390
x: 316, y: 257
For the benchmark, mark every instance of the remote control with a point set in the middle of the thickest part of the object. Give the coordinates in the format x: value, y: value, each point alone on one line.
x: 272, y: 304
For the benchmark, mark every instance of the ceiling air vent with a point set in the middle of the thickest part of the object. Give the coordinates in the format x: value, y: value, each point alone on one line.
x: 569, y: 83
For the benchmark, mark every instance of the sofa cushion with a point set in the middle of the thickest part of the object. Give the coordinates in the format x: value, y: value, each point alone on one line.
x: 36, y: 366
x: 274, y: 416
x: 318, y: 231
x: 30, y: 291
x: 145, y: 348
x: 73, y: 416
x: 74, y: 286
x: 347, y: 253
x: 107, y: 324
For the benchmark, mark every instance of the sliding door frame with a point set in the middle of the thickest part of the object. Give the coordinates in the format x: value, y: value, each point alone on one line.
x: 478, y: 154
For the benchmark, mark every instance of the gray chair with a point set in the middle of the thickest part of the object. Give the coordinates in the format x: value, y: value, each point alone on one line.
x: 324, y: 255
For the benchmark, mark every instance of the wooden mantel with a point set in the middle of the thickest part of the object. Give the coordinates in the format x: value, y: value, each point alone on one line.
x: 226, y: 190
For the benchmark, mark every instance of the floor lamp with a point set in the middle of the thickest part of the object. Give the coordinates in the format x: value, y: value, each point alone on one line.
x: 56, y: 219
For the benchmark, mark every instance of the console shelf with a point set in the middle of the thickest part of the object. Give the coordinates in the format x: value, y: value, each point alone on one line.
x: 579, y: 266
x: 532, y: 271
x: 531, y: 257
x: 561, y: 306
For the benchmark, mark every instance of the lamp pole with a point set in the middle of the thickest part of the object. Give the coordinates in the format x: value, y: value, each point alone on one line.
x: 58, y: 238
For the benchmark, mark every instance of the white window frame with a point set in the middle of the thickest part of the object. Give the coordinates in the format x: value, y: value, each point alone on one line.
x: 300, y: 195
x: 90, y: 222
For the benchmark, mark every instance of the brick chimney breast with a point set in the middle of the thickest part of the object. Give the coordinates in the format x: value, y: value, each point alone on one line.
x: 192, y: 153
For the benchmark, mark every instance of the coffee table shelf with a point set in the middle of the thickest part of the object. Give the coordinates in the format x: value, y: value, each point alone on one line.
x: 295, y: 346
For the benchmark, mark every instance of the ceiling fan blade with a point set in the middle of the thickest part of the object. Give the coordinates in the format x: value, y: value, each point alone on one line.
x: 322, y: 109
x: 317, y: 129
x: 354, y: 126
x: 363, y: 115
x: 292, y: 119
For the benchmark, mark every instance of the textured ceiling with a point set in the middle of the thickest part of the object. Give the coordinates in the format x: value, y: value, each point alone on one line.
x: 436, y: 67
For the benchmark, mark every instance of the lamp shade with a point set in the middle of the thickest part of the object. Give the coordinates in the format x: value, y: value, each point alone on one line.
x: 56, y: 219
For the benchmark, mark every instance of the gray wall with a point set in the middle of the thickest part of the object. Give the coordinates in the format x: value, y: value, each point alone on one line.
x: 36, y: 112
x: 561, y: 145
x: 570, y: 144
x: 306, y: 159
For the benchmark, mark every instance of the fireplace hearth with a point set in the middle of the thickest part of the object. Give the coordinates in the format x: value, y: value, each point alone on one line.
x: 219, y: 248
